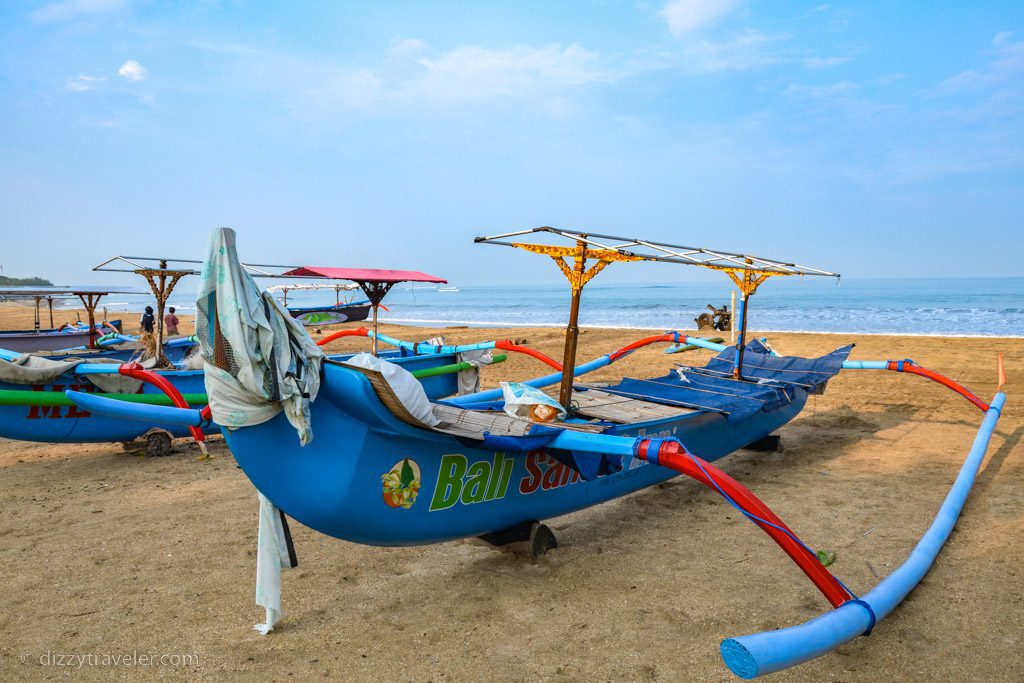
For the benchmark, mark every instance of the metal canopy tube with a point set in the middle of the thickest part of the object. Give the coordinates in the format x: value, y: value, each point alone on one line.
x: 651, y: 250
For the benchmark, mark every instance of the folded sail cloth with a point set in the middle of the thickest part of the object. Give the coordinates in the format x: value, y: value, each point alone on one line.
x: 257, y: 359
x: 803, y: 372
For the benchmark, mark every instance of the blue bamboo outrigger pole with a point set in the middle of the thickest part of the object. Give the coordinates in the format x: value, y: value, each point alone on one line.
x: 762, y: 653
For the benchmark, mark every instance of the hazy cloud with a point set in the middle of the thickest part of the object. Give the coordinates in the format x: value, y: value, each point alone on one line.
x: 82, y: 83
x: 132, y: 70
x: 824, y: 62
x: 72, y: 9
x: 1007, y: 63
x: 748, y: 50
x: 685, y: 16
x: 409, y: 73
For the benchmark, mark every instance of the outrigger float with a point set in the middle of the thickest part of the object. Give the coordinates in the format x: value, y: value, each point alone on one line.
x: 383, y: 470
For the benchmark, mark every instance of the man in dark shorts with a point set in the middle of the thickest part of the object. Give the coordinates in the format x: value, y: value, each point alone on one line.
x: 147, y: 321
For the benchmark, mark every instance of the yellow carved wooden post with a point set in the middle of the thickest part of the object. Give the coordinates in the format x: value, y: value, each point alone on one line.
x: 747, y: 281
x: 578, y: 276
x: 161, y: 282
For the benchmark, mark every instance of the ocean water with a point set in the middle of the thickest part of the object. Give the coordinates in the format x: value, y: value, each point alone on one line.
x: 955, y: 307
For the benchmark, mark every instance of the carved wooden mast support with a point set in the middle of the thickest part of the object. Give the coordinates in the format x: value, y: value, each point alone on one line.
x: 747, y: 281
x: 161, y: 282
x: 89, y: 301
x: 578, y: 276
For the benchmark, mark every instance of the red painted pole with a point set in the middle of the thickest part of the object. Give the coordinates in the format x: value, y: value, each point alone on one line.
x: 911, y: 367
x: 672, y: 455
x: 140, y: 373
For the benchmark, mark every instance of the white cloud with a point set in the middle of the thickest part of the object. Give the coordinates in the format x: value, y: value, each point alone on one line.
x: 822, y: 92
x: 82, y: 83
x: 66, y: 10
x: 685, y: 16
x: 478, y: 72
x: 132, y: 70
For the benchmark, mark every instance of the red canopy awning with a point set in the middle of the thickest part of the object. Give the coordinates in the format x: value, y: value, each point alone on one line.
x: 363, y: 274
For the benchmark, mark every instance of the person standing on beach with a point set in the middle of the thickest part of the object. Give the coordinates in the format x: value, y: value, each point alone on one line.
x: 171, y: 323
x: 147, y: 321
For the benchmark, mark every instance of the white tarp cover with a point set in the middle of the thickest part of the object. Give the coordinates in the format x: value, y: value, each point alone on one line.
x: 257, y: 359
x: 29, y: 369
x: 407, y: 388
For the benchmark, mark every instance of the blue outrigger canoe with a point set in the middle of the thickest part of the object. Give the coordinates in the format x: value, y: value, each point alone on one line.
x: 377, y: 474
x: 333, y: 485
x: 42, y: 413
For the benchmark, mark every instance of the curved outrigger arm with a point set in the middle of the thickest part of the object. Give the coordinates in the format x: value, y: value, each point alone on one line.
x: 483, y: 397
x: 671, y: 454
x: 906, y: 365
x: 135, y: 411
x: 425, y: 348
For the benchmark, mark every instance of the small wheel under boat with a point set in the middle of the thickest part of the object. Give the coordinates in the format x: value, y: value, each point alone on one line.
x: 158, y: 442
x: 526, y: 538
x: 542, y: 539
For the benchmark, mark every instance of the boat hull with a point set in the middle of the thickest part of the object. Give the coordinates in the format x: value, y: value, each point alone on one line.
x: 70, y: 424
x: 334, y: 484
x: 330, y: 315
x: 31, y: 342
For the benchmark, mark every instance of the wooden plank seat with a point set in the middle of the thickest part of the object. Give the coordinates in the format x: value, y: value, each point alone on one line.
x: 594, y: 403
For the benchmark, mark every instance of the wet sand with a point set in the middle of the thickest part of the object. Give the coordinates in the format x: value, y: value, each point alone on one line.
x: 108, y: 552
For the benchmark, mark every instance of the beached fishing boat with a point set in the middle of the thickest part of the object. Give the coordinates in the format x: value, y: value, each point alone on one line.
x: 40, y: 339
x: 33, y: 405
x: 328, y: 314
x: 388, y: 466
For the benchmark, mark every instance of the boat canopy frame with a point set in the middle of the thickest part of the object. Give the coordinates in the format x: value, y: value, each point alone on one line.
x: 747, y: 271
x: 163, y: 275
x: 89, y: 296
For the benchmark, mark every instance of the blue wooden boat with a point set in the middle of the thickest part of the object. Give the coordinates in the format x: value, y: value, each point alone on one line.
x: 34, y: 412
x: 379, y: 474
x: 315, y: 316
x: 57, y: 339
x: 465, y: 488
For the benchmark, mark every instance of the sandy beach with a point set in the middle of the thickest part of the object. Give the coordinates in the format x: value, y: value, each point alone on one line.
x: 110, y: 552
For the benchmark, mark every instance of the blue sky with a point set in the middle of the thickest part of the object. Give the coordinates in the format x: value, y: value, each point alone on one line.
x: 872, y: 140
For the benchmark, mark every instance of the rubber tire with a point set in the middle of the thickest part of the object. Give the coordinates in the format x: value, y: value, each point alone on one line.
x: 159, y: 444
